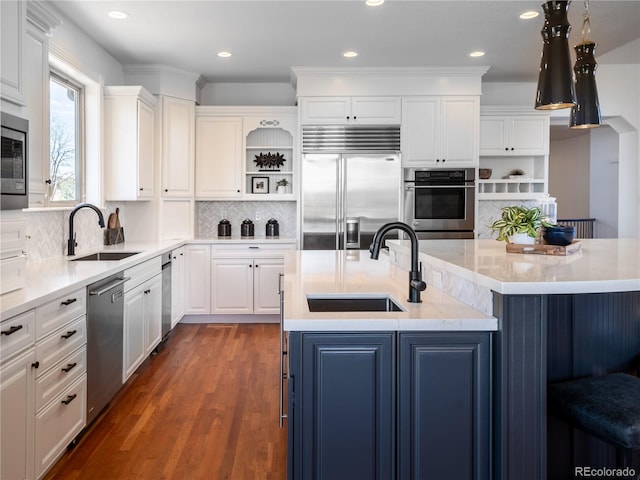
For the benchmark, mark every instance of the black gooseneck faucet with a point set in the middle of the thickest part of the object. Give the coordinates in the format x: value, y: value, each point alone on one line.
x: 416, y: 285
x: 71, y: 242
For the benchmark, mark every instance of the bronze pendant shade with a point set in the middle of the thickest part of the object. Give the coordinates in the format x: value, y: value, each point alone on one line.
x: 555, y: 78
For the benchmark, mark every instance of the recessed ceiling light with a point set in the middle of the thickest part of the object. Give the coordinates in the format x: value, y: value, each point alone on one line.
x: 350, y: 54
x: 529, y: 14
x: 477, y: 53
x: 374, y: 3
x: 119, y: 14
x: 224, y: 54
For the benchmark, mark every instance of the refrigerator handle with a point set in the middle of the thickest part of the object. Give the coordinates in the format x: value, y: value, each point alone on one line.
x: 352, y: 233
x: 340, y: 230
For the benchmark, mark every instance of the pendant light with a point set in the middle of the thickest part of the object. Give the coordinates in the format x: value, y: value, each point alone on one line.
x: 555, y: 79
x: 586, y: 112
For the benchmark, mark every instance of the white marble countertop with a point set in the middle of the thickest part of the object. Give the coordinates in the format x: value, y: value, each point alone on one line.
x: 51, y: 278
x: 335, y: 273
x: 602, y: 265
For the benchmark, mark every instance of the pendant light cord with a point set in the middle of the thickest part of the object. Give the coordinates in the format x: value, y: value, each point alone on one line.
x: 586, y: 23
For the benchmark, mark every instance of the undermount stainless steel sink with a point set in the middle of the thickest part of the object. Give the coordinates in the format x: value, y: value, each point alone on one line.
x: 352, y: 303
x: 105, y: 256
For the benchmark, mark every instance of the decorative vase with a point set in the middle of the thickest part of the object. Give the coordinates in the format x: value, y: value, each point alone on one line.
x: 281, y: 189
x: 522, y: 239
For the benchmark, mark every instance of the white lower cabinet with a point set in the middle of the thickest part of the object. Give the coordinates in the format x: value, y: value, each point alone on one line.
x: 177, y: 285
x: 142, y: 314
x: 245, y: 285
x: 197, y: 279
x: 17, y: 415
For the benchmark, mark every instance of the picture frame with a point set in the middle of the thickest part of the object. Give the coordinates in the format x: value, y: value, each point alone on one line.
x: 259, y: 184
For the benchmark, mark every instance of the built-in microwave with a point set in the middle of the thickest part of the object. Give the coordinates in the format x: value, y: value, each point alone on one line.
x: 14, y: 163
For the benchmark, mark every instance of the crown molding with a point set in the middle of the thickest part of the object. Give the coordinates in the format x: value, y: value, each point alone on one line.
x: 42, y: 17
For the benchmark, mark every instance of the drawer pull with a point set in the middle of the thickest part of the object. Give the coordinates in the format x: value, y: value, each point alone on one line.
x: 69, y: 334
x: 69, y: 301
x: 69, y: 367
x: 147, y: 291
x: 35, y: 365
x: 69, y: 399
x: 12, y: 330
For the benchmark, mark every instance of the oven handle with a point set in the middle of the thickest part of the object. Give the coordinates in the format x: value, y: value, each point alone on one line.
x: 409, y: 187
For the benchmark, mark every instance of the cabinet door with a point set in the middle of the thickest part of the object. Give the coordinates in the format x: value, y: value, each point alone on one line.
x: 266, y: 278
x: 14, y: 20
x: 134, y: 330
x: 153, y: 313
x: 493, y: 136
x: 376, y: 110
x: 443, y: 405
x: 459, y: 132
x: 325, y: 110
x: 344, y: 414
x: 218, y: 157
x: 17, y: 412
x: 146, y: 118
x: 530, y: 136
x: 178, y: 139
x: 197, y: 279
x: 177, y: 285
x: 232, y: 285
x: 419, y: 131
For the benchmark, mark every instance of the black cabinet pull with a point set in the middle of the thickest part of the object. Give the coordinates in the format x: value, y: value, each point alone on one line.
x: 69, y: 399
x: 69, y: 367
x: 69, y: 334
x: 506, y: 148
x: 257, y: 266
x: 12, y: 330
x: 69, y: 301
x: 48, y: 182
x: 147, y: 291
x: 35, y: 365
x: 166, y: 189
x: 141, y: 189
x: 354, y: 117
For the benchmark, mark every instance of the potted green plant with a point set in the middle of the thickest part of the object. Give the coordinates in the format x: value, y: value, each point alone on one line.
x: 519, y: 224
x: 281, y: 185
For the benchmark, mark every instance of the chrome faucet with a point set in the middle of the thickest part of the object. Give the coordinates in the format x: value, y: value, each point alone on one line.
x: 71, y: 242
x: 416, y: 285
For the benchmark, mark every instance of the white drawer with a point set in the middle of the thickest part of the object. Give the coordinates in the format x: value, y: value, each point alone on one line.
x: 57, y: 346
x: 53, y: 315
x: 60, y: 377
x: 59, y: 423
x: 13, y: 273
x: 273, y: 250
x: 142, y: 272
x: 12, y: 237
x: 18, y: 333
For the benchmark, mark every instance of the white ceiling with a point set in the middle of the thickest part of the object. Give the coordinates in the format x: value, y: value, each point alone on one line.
x: 268, y: 37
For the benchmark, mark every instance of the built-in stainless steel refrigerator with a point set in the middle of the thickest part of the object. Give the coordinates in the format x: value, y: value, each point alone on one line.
x: 346, y: 198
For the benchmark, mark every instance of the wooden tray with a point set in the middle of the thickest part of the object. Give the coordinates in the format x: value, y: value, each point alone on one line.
x: 570, y: 249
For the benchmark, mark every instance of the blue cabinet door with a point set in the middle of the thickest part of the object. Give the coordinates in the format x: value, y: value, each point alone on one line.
x: 443, y: 406
x: 342, y: 406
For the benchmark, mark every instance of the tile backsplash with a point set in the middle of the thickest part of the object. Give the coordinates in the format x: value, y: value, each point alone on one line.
x: 208, y: 214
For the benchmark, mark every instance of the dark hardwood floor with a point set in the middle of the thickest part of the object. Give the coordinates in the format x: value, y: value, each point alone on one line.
x: 205, y: 407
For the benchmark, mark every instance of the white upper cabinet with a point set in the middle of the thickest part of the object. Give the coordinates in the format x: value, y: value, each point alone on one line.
x: 354, y: 110
x: 178, y: 147
x: 218, y: 157
x: 129, y: 143
x: 13, y: 16
x: 510, y: 135
x: 440, y: 131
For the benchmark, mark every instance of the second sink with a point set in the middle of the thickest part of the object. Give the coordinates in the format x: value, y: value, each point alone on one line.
x: 352, y: 303
x: 105, y: 256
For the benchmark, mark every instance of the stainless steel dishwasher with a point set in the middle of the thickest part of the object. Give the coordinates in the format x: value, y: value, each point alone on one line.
x: 105, y: 334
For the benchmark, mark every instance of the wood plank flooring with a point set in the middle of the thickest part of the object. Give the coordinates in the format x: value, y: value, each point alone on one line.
x: 205, y: 407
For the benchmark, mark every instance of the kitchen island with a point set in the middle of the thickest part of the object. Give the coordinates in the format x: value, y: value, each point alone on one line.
x: 382, y: 394
x: 558, y: 318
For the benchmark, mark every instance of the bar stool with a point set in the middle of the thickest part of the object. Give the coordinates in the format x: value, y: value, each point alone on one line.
x: 607, y: 407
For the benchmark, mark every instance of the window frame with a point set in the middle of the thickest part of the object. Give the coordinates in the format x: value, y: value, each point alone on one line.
x: 67, y: 80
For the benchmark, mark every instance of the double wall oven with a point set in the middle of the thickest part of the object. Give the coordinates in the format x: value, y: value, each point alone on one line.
x: 440, y: 203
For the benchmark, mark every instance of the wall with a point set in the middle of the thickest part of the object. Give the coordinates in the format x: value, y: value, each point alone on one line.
x: 604, y: 179
x: 569, y: 173
x: 255, y: 94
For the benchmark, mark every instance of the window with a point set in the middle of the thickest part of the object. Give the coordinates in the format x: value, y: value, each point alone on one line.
x: 66, y: 133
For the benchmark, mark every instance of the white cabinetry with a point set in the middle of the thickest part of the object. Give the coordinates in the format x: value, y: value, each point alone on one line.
x: 356, y: 110
x: 129, y: 143
x: 178, y: 147
x: 13, y: 261
x: 177, y: 285
x: 197, y: 279
x: 218, y: 157
x: 142, y: 314
x: 229, y: 140
x: 514, y: 135
x: 13, y: 16
x: 440, y: 131
x: 244, y: 280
